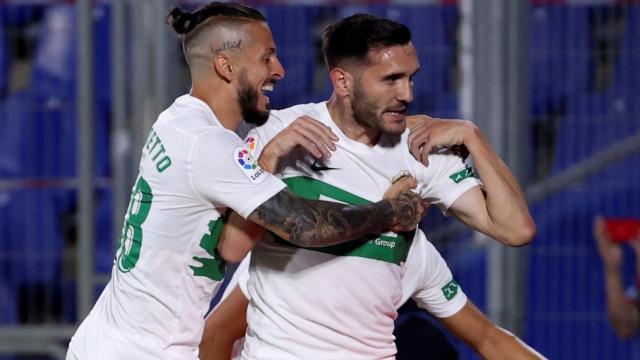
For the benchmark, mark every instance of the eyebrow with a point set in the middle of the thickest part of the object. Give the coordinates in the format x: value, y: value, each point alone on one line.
x: 398, y: 75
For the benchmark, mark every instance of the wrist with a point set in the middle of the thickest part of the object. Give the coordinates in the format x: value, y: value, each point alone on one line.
x: 268, y: 161
x: 471, y: 133
x: 385, y: 214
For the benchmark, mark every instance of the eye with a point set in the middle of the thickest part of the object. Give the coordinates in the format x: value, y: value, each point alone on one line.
x: 392, y: 78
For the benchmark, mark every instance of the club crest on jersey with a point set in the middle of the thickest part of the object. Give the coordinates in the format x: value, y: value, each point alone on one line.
x: 450, y: 290
x: 462, y: 174
x: 248, y: 164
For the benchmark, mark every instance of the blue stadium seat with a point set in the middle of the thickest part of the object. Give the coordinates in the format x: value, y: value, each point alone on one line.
x: 54, y: 68
x: 5, y: 62
x: 627, y: 71
x: 295, y: 30
x: 566, y: 268
x: 15, y: 14
x: 559, y: 49
x: 594, y: 122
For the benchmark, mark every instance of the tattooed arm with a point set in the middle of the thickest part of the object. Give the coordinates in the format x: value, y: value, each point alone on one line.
x: 313, y: 223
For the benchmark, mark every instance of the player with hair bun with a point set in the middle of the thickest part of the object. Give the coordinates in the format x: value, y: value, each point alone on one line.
x: 193, y: 169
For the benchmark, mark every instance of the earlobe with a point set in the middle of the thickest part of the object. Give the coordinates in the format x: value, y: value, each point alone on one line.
x: 223, y: 67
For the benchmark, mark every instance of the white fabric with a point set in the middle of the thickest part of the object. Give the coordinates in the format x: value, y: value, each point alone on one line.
x: 424, y: 278
x: 154, y: 308
x: 321, y: 304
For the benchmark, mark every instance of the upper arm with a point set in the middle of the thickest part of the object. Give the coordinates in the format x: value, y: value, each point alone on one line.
x: 471, y: 209
x: 224, y: 173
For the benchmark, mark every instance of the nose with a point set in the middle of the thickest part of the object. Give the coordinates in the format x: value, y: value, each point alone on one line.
x: 277, y: 70
x: 405, y: 91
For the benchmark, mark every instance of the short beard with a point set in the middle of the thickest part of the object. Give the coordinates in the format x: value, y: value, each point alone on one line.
x: 364, y: 110
x: 248, y: 99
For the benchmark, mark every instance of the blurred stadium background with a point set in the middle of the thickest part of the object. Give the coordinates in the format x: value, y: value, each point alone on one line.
x: 555, y: 85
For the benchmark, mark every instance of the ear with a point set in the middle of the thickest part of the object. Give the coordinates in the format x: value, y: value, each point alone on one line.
x: 222, y: 65
x: 342, y: 81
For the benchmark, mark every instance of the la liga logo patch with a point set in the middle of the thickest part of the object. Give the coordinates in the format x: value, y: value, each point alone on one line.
x: 243, y: 157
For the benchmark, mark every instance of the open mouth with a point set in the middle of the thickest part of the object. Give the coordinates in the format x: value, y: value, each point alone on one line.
x: 267, y: 88
x: 396, y: 113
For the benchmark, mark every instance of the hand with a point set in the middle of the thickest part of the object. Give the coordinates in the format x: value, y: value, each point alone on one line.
x: 403, y: 183
x: 430, y: 133
x: 413, y: 120
x: 311, y: 134
x: 409, y: 208
x: 610, y: 252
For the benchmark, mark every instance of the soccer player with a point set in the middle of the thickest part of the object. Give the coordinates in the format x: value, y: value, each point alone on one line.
x: 339, y: 302
x: 427, y: 280
x: 193, y: 168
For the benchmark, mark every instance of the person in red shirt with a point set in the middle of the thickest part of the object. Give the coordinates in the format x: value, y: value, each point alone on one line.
x: 623, y: 307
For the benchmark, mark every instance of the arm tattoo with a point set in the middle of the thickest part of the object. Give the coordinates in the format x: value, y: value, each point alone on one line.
x: 309, y: 223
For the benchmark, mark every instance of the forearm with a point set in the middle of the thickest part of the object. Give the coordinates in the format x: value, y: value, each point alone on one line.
x: 309, y: 223
x: 226, y: 324
x: 500, y: 344
x: 510, y: 221
x: 623, y: 315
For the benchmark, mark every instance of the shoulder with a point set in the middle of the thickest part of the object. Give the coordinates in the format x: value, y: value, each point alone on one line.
x: 289, y: 114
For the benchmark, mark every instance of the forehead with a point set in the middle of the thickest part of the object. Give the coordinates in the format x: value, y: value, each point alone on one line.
x: 259, y: 34
x: 403, y: 58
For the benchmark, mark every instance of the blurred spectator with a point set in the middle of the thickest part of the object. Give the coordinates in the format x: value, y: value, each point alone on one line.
x: 623, y: 307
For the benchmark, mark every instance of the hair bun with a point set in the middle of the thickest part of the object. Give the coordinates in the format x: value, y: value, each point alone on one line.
x: 181, y: 21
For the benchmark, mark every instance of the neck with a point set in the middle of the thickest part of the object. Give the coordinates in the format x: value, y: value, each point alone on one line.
x: 341, y: 112
x: 222, y: 100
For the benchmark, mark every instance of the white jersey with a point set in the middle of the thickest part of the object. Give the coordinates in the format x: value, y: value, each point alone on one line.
x: 338, y: 302
x: 167, y: 268
x: 426, y: 279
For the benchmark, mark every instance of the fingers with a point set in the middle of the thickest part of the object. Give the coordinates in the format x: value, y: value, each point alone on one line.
x: 413, y: 120
x: 314, y: 136
x: 400, y: 184
x: 419, y: 141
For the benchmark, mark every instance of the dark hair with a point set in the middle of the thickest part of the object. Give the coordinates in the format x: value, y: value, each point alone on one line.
x: 351, y: 38
x: 183, y: 22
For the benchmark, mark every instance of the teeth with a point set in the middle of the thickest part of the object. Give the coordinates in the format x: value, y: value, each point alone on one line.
x: 267, y: 88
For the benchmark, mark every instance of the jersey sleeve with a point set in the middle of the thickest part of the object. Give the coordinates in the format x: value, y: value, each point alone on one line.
x: 433, y: 288
x: 224, y: 172
x: 445, y: 179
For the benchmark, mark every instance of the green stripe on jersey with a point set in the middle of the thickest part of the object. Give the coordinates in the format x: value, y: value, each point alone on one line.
x: 391, y: 249
x: 214, y: 267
